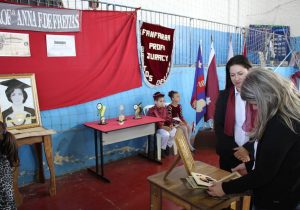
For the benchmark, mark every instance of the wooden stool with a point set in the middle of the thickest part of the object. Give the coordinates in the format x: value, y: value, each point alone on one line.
x: 37, y: 137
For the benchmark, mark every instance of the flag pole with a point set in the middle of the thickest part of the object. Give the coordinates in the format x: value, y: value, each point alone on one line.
x: 201, y: 45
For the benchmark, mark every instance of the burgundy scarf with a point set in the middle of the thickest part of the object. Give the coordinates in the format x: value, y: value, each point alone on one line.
x: 230, y: 115
x: 295, y: 76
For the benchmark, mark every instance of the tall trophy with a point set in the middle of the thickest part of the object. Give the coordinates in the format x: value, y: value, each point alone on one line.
x: 137, y: 111
x: 101, y: 111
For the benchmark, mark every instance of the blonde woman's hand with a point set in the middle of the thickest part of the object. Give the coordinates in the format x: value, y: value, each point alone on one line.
x: 216, y: 189
x: 241, y: 169
x: 242, y: 154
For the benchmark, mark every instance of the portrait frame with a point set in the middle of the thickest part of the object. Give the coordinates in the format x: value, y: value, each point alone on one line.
x: 30, y: 103
x: 185, y: 152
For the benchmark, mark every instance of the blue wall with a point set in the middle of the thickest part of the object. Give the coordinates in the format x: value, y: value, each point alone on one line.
x: 73, y: 145
x: 189, y: 36
x: 296, y: 43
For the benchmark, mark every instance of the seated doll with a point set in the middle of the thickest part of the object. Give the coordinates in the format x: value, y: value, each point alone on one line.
x: 165, y: 129
x: 176, y: 118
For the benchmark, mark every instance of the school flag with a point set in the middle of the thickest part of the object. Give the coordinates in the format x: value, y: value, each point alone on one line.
x: 198, y: 101
x: 212, y: 85
x: 157, y: 46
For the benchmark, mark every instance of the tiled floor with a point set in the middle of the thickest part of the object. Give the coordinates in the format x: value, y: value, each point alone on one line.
x: 129, y: 189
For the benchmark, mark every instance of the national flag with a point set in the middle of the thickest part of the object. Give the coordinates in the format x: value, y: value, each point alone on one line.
x: 212, y: 85
x: 230, y: 49
x: 198, y: 101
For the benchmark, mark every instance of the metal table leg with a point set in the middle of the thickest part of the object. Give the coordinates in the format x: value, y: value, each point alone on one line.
x: 96, y: 170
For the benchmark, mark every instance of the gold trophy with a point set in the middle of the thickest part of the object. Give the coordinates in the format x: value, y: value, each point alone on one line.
x: 101, y: 111
x: 137, y: 111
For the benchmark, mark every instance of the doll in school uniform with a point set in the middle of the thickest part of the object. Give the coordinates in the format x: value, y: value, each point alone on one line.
x: 164, y: 129
x: 175, y: 116
x: 8, y: 160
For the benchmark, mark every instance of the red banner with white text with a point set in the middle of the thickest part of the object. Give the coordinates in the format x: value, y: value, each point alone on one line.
x: 106, y: 61
x: 157, y: 46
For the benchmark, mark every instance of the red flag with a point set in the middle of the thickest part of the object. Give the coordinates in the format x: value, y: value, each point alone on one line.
x: 212, y: 85
x: 245, y: 46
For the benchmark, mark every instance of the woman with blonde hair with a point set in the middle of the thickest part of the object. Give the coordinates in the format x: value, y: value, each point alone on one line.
x: 275, y: 180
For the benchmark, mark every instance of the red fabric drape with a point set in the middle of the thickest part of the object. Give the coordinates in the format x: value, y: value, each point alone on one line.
x: 106, y: 61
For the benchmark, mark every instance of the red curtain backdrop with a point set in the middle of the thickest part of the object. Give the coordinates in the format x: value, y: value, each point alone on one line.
x: 106, y: 61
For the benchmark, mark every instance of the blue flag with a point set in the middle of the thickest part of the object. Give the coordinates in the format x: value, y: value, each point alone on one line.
x: 198, y: 100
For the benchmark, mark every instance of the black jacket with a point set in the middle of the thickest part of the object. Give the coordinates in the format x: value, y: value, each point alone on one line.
x: 226, y: 144
x: 276, y: 178
x: 26, y: 109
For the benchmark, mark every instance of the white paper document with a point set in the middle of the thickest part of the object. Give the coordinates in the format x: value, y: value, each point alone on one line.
x: 14, y: 44
x: 61, y: 45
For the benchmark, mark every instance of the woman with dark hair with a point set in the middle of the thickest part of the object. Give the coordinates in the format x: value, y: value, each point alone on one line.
x: 175, y: 116
x: 17, y: 114
x: 233, y: 146
x: 8, y: 160
x: 275, y: 179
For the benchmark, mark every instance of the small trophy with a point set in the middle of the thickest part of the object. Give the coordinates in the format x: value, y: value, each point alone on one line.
x: 101, y: 111
x: 121, y: 118
x: 137, y: 111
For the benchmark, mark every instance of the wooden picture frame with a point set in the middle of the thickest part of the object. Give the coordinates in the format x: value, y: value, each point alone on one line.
x: 185, y: 152
x: 19, y: 106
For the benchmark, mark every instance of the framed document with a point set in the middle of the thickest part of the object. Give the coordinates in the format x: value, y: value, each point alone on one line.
x: 14, y: 44
x: 61, y: 45
x: 19, y: 105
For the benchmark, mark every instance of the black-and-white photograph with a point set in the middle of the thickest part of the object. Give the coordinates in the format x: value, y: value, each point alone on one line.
x: 18, y: 101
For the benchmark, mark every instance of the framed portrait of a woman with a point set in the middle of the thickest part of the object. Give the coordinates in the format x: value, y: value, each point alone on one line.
x: 19, y: 101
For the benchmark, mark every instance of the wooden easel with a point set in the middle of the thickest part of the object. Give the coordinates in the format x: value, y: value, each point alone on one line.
x: 172, y: 167
x: 184, y: 153
x: 187, y: 158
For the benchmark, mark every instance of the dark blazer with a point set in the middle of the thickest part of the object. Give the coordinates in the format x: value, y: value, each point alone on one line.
x: 276, y: 178
x: 26, y: 109
x: 226, y: 144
